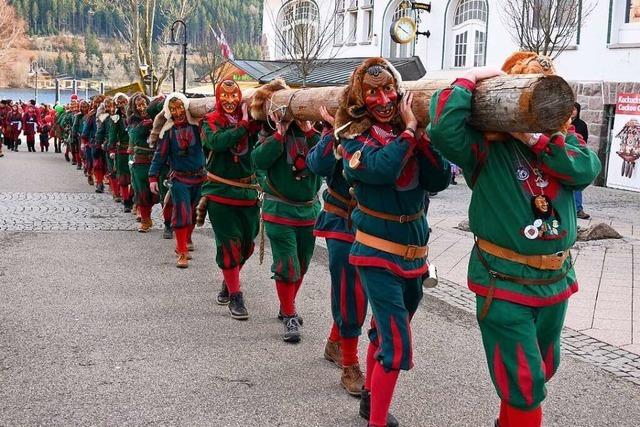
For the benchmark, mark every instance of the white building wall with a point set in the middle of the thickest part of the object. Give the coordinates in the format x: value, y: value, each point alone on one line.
x: 601, y: 54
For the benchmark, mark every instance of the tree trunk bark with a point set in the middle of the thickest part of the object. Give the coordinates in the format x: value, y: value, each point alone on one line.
x: 520, y: 103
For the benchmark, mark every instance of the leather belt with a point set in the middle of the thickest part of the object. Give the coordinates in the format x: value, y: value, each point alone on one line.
x: 328, y: 207
x: 390, y: 217
x: 239, y: 183
x: 541, y: 262
x: 339, y: 197
x: 408, y: 252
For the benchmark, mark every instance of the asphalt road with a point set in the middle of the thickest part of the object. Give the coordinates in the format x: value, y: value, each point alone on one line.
x: 99, y: 328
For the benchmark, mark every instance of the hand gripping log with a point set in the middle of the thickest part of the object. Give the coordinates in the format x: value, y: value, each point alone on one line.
x: 519, y: 103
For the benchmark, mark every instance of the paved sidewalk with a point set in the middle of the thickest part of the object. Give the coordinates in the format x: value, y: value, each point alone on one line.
x: 607, y: 307
x: 128, y: 339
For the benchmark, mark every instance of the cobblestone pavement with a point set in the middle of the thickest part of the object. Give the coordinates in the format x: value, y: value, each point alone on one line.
x: 142, y: 342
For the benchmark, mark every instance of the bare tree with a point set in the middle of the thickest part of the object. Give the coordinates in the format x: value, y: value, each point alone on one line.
x: 303, y: 35
x: 12, y: 32
x: 547, y: 27
x: 211, y: 58
x: 139, y: 17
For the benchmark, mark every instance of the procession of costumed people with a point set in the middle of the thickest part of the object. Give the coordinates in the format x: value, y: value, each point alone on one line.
x: 253, y: 162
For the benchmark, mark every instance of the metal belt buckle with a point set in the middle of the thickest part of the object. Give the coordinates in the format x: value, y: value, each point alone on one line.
x: 403, y: 219
x: 410, y: 253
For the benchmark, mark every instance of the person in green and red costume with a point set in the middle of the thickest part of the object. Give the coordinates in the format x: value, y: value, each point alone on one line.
x: 140, y: 115
x: 348, y: 299
x: 119, y: 150
x: 94, y: 158
x: 180, y: 145
x: 289, y: 211
x: 523, y: 216
x: 390, y: 166
x: 231, y: 189
x: 80, y: 111
x: 102, y: 138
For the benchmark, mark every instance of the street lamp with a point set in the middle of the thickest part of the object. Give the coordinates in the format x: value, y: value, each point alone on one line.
x: 173, y: 42
x: 34, y: 68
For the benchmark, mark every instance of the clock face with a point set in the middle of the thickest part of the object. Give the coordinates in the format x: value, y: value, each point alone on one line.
x: 403, y: 30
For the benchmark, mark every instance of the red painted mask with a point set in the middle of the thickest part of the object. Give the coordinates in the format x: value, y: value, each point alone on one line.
x: 379, y: 90
x: 229, y: 96
x: 178, y: 112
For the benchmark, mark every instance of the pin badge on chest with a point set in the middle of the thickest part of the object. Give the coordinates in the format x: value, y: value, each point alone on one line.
x: 531, y: 232
x: 542, y: 183
x: 522, y: 173
x: 354, y: 161
x: 537, y: 223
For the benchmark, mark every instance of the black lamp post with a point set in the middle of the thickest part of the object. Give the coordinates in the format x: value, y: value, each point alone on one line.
x: 184, y: 50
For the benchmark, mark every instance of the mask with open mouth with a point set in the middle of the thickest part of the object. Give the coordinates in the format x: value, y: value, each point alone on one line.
x: 379, y: 90
x: 229, y: 96
x: 178, y: 112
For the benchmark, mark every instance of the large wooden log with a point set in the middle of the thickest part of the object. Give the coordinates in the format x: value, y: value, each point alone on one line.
x: 519, y: 103
x: 523, y: 103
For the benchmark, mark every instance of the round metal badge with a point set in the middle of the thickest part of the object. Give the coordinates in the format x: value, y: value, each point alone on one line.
x: 522, y: 173
x: 537, y: 223
x: 531, y: 232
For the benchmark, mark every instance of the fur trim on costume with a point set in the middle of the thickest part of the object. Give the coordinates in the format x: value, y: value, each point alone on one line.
x: 352, y: 117
x: 101, y: 115
x: 264, y: 94
x: 167, y: 114
x: 529, y: 63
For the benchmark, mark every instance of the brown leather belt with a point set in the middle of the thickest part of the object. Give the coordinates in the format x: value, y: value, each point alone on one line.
x: 389, y: 217
x: 541, y: 262
x: 328, y: 207
x: 408, y: 252
x: 340, y: 197
x: 239, y: 183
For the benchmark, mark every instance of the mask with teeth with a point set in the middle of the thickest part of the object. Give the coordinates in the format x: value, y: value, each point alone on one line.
x: 379, y: 90
x: 229, y: 96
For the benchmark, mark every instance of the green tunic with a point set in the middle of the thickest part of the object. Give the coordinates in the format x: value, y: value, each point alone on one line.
x: 291, y: 204
x: 503, y: 180
x: 119, y: 144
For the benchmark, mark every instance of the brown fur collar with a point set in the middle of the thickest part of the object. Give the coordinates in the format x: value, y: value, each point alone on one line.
x: 263, y: 95
x: 352, y: 117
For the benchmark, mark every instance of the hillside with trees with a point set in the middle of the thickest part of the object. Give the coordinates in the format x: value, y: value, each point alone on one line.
x: 241, y: 21
x: 92, y: 38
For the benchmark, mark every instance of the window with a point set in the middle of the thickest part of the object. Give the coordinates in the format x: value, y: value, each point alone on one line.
x: 297, y: 27
x: 632, y: 10
x: 478, y: 57
x: 469, y: 33
x: 338, y: 24
x: 368, y: 24
x: 460, y: 55
x: 353, y: 27
x: 470, y: 9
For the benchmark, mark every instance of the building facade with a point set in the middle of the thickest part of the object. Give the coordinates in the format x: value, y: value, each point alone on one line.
x: 602, y: 59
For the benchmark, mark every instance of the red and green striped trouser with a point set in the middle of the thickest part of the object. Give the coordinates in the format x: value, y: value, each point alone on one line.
x: 292, y: 248
x: 522, y: 346
x: 394, y: 300
x: 234, y: 229
x: 348, y: 299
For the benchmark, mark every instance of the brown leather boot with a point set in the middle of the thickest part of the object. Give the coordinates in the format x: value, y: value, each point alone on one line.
x: 333, y: 353
x: 352, y: 379
x: 145, y: 225
x: 183, y: 261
